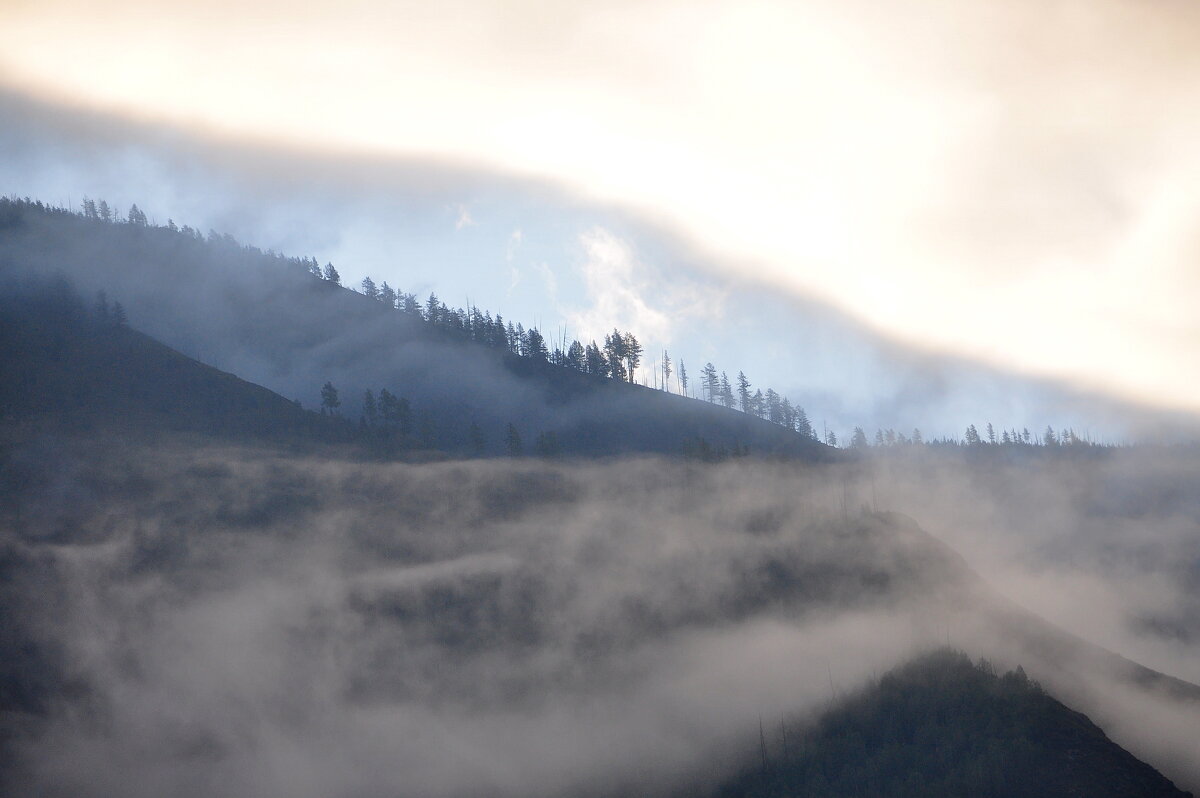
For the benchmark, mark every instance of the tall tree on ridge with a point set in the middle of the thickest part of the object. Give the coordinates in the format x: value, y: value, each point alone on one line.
x: 743, y: 392
x: 726, y: 391
x: 710, y: 383
x: 633, y: 353
x: 577, y: 357
x: 803, y: 425
x: 329, y: 398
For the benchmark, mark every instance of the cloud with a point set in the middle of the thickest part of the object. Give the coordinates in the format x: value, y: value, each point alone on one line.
x: 464, y: 218
x: 618, y: 289
x: 515, y: 239
x: 517, y: 627
x: 931, y: 168
x: 549, y: 278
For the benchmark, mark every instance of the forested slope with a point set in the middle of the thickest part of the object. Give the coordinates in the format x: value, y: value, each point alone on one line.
x: 943, y: 726
x: 267, y: 319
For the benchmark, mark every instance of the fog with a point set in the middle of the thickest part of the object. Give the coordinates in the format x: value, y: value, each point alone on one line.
x: 397, y: 219
x: 205, y: 620
x: 934, y: 169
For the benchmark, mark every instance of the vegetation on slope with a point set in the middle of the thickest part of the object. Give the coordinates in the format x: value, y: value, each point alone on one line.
x: 944, y: 726
x: 265, y: 318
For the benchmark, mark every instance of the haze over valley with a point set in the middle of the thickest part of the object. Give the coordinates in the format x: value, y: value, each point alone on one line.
x: 615, y: 430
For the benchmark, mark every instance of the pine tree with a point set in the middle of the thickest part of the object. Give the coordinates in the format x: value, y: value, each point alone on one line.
x: 726, y: 391
x: 774, y: 407
x: 666, y: 370
x: 633, y: 353
x: 803, y: 426
x: 387, y: 295
x: 859, y: 439
x: 577, y: 357
x: 329, y: 398
x: 614, y: 351
x: 331, y: 274
x: 536, y: 345
x: 710, y: 383
x: 596, y: 361
x: 368, y: 288
x: 743, y: 392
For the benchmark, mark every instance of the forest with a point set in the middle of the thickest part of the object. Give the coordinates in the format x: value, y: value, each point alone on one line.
x: 617, y: 359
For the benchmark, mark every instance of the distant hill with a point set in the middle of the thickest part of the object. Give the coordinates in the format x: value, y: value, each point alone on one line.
x: 944, y: 726
x: 68, y: 369
x: 268, y: 320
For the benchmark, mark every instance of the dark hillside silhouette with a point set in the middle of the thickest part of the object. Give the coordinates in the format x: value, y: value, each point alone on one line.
x: 943, y: 726
x: 80, y: 368
x: 272, y: 321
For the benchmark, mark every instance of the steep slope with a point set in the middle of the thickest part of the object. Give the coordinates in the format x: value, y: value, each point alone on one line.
x: 267, y: 320
x: 943, y: 726
x: 67, y: 370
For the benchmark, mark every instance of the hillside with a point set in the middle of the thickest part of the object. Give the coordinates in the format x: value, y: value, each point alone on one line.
x: 943, y: 726
x: 268, y: 320
x: 69, y: 370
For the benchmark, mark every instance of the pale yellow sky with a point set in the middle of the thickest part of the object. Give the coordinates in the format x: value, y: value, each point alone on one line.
x: 1013, y: 181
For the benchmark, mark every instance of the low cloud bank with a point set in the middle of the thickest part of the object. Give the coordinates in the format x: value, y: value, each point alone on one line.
x: 230, y: 621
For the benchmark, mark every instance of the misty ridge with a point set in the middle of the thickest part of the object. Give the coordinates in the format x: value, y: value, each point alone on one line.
x: 465, y: 376
x: 267, y: 319
x: 210, y: 591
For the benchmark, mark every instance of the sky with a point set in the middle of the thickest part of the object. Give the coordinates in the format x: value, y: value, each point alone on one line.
x: 898, y: 213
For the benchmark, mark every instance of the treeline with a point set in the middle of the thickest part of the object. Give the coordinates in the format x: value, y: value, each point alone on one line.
x: 1004, y: 438
x: 618, y: 357
x: 388, y: 421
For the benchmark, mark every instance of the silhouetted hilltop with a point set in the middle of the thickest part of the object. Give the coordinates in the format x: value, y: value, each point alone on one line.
x: 944, y: 726
x: 269, y: 320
